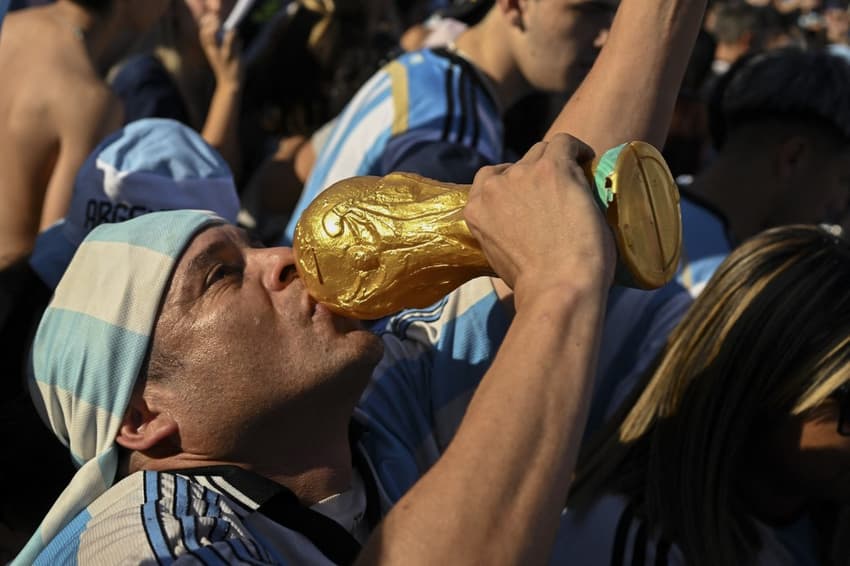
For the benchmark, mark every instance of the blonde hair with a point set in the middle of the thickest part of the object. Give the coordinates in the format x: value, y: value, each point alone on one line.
x: 768, y: 338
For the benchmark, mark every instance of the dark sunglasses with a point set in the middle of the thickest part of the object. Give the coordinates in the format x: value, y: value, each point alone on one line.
x: 842, y: 395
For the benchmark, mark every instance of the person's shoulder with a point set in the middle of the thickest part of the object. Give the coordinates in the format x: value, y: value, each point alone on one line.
x: 89, y: 111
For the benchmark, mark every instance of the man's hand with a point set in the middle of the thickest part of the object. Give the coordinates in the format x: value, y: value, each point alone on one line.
x: 511, y: 461
x: 225, y: 58
x: 537, y: 221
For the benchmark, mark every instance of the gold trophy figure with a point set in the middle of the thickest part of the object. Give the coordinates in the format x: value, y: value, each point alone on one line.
x: 370, y: 246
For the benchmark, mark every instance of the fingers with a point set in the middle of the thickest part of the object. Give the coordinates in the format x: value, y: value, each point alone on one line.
x: 208, y: 28
x: 231, y: 44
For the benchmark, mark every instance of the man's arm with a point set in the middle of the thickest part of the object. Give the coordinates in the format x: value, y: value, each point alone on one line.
x: 630, y: 92
x: 221, y: 128
x: 496, y: 494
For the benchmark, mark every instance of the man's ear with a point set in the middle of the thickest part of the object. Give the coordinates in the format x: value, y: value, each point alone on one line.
x: 794, y: 155
x: 144, y: 427
x: 513, y: 11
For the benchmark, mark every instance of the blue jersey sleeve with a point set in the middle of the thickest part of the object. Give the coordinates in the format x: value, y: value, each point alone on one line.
x: 444, y: 161
x: 434, y: 359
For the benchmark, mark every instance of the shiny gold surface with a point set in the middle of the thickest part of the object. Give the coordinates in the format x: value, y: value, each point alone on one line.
x: 370, y: 246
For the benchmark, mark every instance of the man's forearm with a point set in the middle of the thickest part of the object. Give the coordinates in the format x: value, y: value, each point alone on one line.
x: 508, y: 468
x: 221, y: 129
x: 630, y: 92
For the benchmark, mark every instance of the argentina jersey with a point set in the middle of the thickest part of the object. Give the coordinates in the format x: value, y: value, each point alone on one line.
x: 425, y: 99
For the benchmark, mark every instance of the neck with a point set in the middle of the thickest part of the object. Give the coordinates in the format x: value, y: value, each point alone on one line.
x: 735, y: 184
x: 313, y: 466
x: 487, y: 47
x: 310, y: 456
x: 106, y: 37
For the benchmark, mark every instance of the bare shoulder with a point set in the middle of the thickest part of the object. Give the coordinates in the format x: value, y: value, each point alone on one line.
x: 55, y: 78
x: 92, y: 108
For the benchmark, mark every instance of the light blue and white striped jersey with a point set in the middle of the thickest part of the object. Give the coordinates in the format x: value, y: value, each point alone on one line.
x: 215, y: 515
x: 422, y: 98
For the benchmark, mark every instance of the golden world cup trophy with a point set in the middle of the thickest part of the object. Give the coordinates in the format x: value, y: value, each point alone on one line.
x: 370, y: 246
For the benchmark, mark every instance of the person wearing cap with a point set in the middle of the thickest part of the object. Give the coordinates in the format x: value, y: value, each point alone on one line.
x: 147, y: 166
x: 208, y: 400
x: 57, y: 107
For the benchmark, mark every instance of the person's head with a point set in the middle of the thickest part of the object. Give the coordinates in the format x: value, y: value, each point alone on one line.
x: 171, y: 336
x: 740, y: 27
x: 746, y: 409
x: 555, y: 42
x: 788, y: 114
x: 239, y: 346
x: 149, y: 165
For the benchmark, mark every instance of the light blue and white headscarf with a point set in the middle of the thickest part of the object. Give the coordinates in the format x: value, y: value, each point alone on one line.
x: 91, y: 344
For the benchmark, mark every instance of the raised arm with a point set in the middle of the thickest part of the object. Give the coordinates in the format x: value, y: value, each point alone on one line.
x: 496, y: 494
x: 221, y: 129
x: 630, y: 92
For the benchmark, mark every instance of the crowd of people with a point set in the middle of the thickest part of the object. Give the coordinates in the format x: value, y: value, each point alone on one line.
x: 172, y: 393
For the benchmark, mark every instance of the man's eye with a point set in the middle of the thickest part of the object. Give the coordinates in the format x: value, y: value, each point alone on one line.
x: 219, y: 272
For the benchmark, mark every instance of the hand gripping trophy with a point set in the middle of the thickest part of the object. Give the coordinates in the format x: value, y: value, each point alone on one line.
x: 370, y: 246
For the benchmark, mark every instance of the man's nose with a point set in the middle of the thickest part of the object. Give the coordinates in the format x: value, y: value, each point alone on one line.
x: 277, y: 267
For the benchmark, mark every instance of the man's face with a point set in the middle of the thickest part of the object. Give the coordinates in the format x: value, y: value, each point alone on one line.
x: 250, y: 340
x: 560, y: 41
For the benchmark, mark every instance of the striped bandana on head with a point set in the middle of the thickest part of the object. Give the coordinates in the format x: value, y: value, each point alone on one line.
x: 91, y: 344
